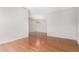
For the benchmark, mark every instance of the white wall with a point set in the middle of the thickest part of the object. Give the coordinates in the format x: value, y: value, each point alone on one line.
x: 13, y: 23
x: 77, y: 25
x: 61, y: 23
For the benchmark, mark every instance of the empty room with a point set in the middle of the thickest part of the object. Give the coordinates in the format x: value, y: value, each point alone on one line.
x: 39, y: 29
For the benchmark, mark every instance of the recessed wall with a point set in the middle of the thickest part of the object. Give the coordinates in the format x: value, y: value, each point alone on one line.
x: 61, y: 21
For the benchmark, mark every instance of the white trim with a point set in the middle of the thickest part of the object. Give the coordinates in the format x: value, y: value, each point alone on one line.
x: 12, y: 40
x: 61, y: 36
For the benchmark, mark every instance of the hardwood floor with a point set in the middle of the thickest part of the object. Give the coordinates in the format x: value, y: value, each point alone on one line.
x: 40, y: 43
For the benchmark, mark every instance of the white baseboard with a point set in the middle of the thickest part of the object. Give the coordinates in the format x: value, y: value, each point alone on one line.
x: 62, y: 36
x: 13, y: 39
